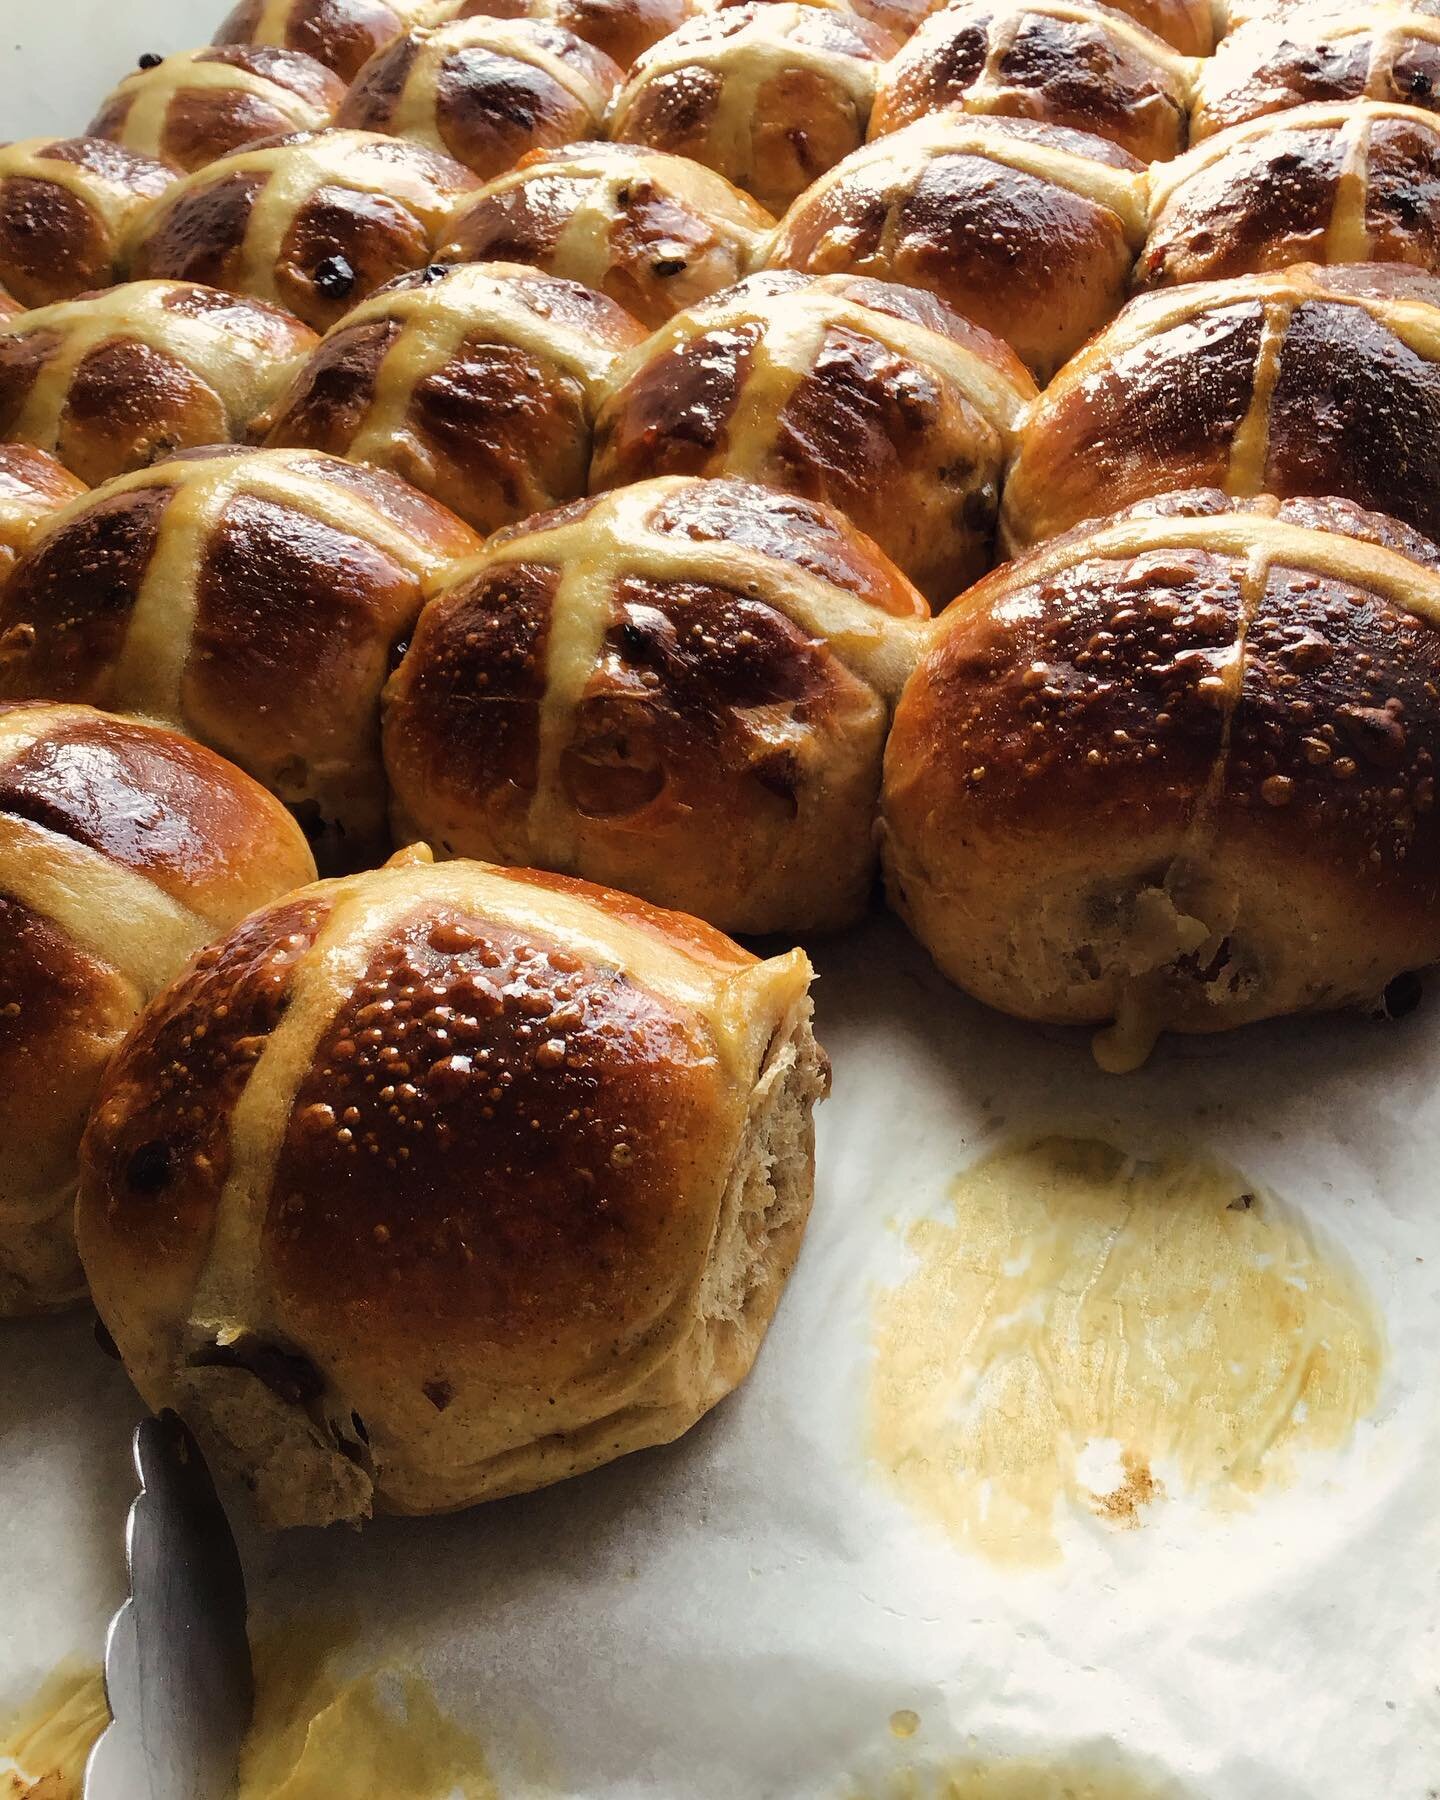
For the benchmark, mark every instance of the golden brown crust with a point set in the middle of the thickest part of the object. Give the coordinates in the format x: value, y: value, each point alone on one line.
x: 114, y: 381
x: 1308, y: 380
x: 1388, y: 50
x: 654, y: 232
x: 1336, y: 182
x: 1085, y: 66
x: 123, y: 849
x: 66, y: 205
x: 197, y: 105
x: 476, y: 383
x: 681, y: 688
x: 619, y: 28
x: 33, y: 488
x: 1176, y: 768
x: 314, y: 223
x: 897, y: 18
x: 871, y: 397
x: 1029, y: 230
x: 769, y: 95
x: 484, y: 90
x: 341, y: 34
x: 252, y: 599
x: 533, y: 1109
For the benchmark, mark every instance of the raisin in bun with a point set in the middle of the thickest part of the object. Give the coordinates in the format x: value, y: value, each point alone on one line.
x: 114, y: 381
x: 66, y: 208
x: 484, y: 90
x: 1308, y: 380
x: 873, y: 397
x: 199, y: 104
x: 654, y: 232
x: 313, y: 223
x: 1388, y: 50
x: 124, y: 850
x: 621, y: 28
x: 768, y: 95
x: 1337, y: 182
x: 342, y: 34
x: 681, y: 688
x: 1029, y: 230
x: 252, y: 599
x: 33, y: 488
x: 1084, y: 66
x: 1175, y: 770
x: 477, y: 383
x: 446, y: 1182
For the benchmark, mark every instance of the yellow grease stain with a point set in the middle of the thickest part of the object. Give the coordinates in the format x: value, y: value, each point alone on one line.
x: 44, y: 1747
x: 1018, y: 1778
x: 905, y: 1723
x: 316, y: 1736
x: 1098, y: 1330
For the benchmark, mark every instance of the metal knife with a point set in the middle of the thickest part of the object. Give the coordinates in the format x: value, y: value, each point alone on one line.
x: 178, y: 1675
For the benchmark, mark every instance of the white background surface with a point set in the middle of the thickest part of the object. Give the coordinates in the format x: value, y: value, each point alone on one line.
x: 737, y: 1617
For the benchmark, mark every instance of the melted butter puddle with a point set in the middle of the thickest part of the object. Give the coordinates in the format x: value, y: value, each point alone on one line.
x: 1018, y: 1778
x: 1097, y: 1330
x: 44, y: 1747
x: 316, y: 1736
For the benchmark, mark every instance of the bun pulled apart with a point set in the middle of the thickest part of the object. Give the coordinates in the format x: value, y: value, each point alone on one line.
x: 445, y: 1182
x: 681, y: 688
x: 124, y: 850
x: 1175, y: 770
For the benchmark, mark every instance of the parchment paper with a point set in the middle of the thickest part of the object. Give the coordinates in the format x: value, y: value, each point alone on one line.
x: 739, y: 1616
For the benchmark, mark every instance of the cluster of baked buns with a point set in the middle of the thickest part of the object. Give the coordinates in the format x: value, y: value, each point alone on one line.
x: 546, y: 439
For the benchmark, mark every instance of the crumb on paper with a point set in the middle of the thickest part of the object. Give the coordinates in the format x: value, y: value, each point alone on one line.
x: 1096, y: 1332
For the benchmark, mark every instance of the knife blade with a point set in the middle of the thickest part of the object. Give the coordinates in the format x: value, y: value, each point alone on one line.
x: 178, y: 1674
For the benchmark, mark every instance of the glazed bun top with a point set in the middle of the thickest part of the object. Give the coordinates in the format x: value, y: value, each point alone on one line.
x: 1176, y: 769
x: 484, y: 90
x: 342, y: 34
x: 654, y: 232
x: 199, y: 104
x: 422, y: 1174
x: 897, y: 18
x: 477, y: 382
x: 141, y: 844
x: 313, y: 223
x: 1085, y: 66
x: 1214, y: 384
x: 1327, y: 50
x: 66, y: 207
x: 1029, y: 230
x: 768, y: 94
x: 112, y: 381
x: 33, y: 487
x: 1336, y: 182
x: 251, y: 598
x: 619, y: 28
